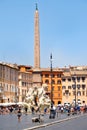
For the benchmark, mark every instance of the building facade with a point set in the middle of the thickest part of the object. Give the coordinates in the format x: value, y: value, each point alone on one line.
x: 54, y: 84
x: 24, y: 80
x: 74, y: 85
x: 8, y: 82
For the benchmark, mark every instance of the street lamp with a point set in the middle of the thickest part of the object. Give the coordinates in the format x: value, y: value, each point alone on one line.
x: 74, y: 79
x: 51, y: 77
x: 52, y: 111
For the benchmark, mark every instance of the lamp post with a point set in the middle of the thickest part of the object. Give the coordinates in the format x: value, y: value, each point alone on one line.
x: 52, y: 111
x: 75, y: 90
x: 74, y: 79
x: 51, y: 78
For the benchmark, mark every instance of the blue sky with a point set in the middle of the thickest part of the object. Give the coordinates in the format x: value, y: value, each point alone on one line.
x: 63, y: 31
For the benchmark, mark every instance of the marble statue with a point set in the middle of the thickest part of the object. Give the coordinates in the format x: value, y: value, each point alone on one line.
x: 37, y: 97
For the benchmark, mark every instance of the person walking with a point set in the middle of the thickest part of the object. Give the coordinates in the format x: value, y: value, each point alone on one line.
x: 57, y: 110
x: 19, y: 114
x: 26, y: 109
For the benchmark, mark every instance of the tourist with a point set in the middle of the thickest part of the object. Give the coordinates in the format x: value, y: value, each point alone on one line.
x: 19, y: 114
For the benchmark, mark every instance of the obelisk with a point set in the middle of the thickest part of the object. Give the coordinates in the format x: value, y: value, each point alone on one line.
x: 36, y: 40
x: 36, y: 70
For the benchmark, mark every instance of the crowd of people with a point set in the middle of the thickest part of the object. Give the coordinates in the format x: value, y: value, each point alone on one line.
x: 57, y: 109
x: 68, y: 109
x: 8, y: 109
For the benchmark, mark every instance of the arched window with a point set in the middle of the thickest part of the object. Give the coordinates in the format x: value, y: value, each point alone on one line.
x: 79, y: 93
x: 53, y: 81
x: 47, y: 81
x: 59, y: 102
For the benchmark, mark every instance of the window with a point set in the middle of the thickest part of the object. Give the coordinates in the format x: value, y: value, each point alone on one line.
x: 78, y: 79
x: 83, y: 86
x: 73, y: 86
x: 58, y: 88
x: 79, y: 93
x: 67, y: 91
x: 78, y: 86
x: 69, y: 87
x: 23, y: 83
x: 83, y: 79
x: 59, y: 75
x: 46, y: 75
x: 73, y: 79
x: 47, y: 81
x: 6, y: 87
x: 83, y: 93
x: 14, y: 88
x: 63, y: 87
x: 63, y: 79
x: 69, y: 79
x: 59, y: 82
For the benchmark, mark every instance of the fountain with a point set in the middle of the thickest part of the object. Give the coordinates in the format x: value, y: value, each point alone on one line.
x: 37, y: 98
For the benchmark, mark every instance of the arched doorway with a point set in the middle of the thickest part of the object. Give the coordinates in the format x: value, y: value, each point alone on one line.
x: 59, y: 102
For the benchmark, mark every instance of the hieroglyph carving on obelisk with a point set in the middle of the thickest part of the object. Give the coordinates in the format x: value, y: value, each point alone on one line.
x: 36, y: 40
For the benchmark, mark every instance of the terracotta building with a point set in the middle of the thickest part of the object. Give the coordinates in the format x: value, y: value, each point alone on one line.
x: 55, y: 88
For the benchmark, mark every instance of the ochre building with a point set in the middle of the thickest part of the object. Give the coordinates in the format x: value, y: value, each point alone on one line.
x: 54, y: 84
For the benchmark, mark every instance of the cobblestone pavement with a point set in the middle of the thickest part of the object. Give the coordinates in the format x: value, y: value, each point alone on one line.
x: 10, y: 121
x: 73, y: 124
